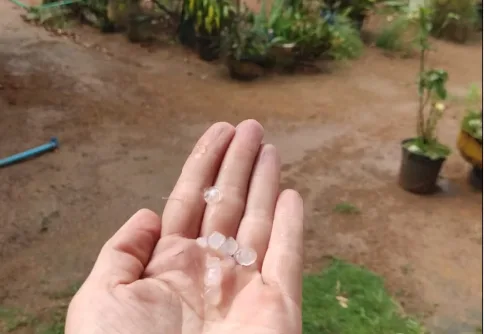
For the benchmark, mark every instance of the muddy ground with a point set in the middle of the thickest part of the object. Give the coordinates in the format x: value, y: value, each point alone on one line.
x: 126, y: 119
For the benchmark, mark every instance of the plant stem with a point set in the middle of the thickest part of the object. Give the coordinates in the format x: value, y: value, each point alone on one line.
x: 422, y: 100
x: 167, y: 11
x: 428, y: 129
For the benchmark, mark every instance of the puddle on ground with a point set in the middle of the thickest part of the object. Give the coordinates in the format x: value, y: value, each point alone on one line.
x: 295, y: 144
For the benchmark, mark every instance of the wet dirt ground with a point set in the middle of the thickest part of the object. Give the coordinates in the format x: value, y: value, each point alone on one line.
x: 127, y: 118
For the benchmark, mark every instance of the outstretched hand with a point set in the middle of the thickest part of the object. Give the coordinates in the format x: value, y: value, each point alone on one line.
x: 149, y: 277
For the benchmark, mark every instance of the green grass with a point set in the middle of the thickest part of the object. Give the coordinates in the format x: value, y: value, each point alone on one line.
x: 346, y: 299
x: 51, y: 321
x: 343, y: 299
x: 346, y: 208
x: 56, y: 323
x: 13, y: 319
x: 66, y: 293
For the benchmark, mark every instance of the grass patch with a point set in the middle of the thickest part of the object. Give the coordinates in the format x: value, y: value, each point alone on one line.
x: 346, y: 208
x: 348, y: 299
x: 67, y: 293
x: 49, y: 321
x: 56, y: 323
x: 13, y: 319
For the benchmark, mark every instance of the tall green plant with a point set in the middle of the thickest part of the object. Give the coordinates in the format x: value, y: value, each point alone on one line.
x: 431, y: 91
x: 346, y: 42
x: 208, y: 15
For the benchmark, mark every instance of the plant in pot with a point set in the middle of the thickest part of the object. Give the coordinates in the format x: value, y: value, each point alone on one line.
x: 208, y: 18
x: 245, y: 47
x: 357, y: 10
x: 423, y: 155
x: 299, y: 36
x: 302, y: 36
x: 345, y: 41
x: 470, y: 138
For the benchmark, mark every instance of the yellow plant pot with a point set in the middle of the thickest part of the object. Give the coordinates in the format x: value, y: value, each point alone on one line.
x: 470, y: 149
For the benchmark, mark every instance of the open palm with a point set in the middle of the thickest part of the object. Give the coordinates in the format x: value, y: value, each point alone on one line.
x: 149, y: 276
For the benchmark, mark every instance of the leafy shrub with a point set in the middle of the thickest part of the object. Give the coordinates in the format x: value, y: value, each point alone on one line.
x: 294, y: 31
x: 454, y: 19
x: 396, y: 36
x: 472, y: 122
x: 346, y: 42
x: 355, y: 7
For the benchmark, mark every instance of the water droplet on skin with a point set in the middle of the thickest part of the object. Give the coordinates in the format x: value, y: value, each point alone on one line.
x: 215, y: 240
x: 212, y: 195
x: 212, y: 261
x: 213, y: 276
x: 245, y: 256
x: 202, y: 242
x: 229, y: 247
x: 213, y: 295
x: 212, y: 280
x: 199, y: 150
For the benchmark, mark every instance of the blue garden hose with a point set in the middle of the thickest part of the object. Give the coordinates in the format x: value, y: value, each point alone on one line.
x: 45, y: 6
x: 50, y: 146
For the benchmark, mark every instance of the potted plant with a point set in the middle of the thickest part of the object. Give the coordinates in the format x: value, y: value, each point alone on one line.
x: 208, y: 17
x: 470, y: 142
x: 357, y: 10
x: 299, y: 36
x: 423, y: 155
x: 246, y: 50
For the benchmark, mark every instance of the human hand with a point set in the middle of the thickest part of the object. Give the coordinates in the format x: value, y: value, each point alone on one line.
x: 149, y: 277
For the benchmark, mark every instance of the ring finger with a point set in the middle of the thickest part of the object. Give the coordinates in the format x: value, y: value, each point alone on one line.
x: 256, y: 224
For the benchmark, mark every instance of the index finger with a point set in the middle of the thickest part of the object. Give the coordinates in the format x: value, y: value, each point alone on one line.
x: 283, y: 264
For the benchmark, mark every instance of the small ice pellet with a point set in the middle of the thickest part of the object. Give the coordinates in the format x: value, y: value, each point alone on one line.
x: 245, y: 256
x: 201, y: 241
x: 215, y: 240
x: 229, y: 247
x: 212, y: 195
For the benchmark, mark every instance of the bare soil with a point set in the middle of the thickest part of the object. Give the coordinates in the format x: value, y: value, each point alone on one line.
x: 126, y: 119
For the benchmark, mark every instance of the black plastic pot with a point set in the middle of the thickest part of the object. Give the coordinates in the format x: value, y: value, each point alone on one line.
x: 247, y: 68
x: 358, y: 21
x: 480, y: 15
x: 208, y: 47
x: 418, y: 174
x: 186, y: 33
x: 476, y: 178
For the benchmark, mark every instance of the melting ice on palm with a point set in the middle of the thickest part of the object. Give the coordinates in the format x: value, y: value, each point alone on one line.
x: 245, y: 256
x: 212, y: 195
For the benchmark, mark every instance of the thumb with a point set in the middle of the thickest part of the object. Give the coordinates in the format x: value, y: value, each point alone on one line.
x: 124, y: 257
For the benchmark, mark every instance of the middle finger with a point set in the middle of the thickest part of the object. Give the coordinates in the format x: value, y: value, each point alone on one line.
x: 233, y: 180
